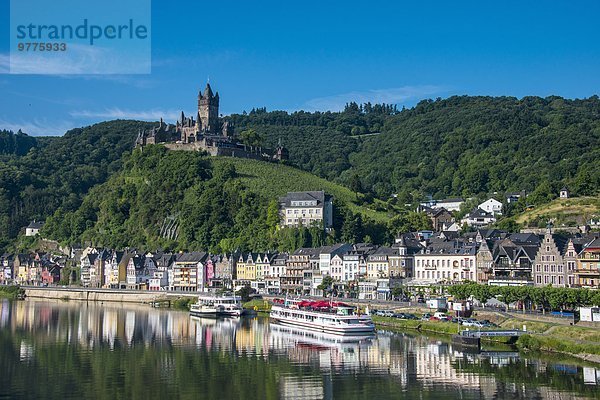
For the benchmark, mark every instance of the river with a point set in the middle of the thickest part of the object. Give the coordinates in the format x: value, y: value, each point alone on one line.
x: 75, y: 350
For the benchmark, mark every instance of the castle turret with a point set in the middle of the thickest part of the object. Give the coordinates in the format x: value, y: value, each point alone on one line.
x: 208, y: 110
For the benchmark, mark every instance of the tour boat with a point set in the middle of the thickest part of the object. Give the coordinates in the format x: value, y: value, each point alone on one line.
x: 232, y: 305
x: 206, y: 306
x: 217, y: 306
x: 322, y: 316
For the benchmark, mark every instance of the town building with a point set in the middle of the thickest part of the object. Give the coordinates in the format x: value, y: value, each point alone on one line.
x: 401, y: 261
x: 326, y: 253
x: 292, y: 281
x: 158, y: 264
x: 188, y: 272
x: 587, y: 273
x: 440, y: 217
x: 514, y: 257
x: 6, y: 269
x: 478, y: 218
x: 34, y: 228
x: 306, y: 209
x: 451, y: 204
x: 491, y: 206
x: 446, y: 262
x: 549, y: 267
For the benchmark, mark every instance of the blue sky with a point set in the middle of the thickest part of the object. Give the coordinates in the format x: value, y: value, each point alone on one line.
x: 317, y: 55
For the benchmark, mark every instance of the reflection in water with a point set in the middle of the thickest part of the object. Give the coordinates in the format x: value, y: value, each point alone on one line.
x: 130, y: 351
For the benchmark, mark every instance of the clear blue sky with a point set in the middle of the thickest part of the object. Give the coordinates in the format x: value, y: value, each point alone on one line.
x: 318, y: 55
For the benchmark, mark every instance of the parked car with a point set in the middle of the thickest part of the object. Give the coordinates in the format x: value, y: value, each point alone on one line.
x: 479, y: 324
x: 426, y: 317
x: 410, y: 316
x: 384, y: 313
x: 440, y: 315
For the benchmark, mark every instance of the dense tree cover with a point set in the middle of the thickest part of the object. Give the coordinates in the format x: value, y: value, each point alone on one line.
x: 59, y: 172
x: 213, y: 208
x: 470, y: 145
x: 16, y: 143
x: 546, y: 297
x: 318, y: 142
x: 460, y: 146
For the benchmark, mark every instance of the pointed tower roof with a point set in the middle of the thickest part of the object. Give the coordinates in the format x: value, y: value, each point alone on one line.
x: 208, y: 91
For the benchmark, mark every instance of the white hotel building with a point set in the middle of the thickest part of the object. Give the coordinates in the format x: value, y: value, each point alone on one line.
x: 447, y: 262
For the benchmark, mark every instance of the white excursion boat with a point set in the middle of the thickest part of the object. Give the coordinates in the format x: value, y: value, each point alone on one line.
x: 206, y: 306
x: 217, y: 306
x: 232, y: 305
x: 322, y: 316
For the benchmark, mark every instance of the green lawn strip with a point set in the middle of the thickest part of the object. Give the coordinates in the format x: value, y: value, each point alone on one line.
x: 10, y: 292
x: 258, y: 305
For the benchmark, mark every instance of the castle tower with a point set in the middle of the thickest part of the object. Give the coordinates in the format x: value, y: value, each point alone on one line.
x: 208, y: 110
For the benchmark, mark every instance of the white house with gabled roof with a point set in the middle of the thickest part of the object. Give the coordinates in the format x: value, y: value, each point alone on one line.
x: 492, y: 206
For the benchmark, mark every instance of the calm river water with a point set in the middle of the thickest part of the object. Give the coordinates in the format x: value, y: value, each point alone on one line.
x: 64, y: 350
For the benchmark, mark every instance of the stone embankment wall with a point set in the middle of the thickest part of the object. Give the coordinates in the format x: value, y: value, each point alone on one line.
x: 102, y: 295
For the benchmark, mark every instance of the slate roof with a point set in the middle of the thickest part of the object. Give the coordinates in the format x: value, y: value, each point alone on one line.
x: 450, y: 247
x: 280, y: 259
x: 306, y: 251
x: 479, y: 213
x: 319, y: 196
x: 595, y: 244
x: 194, y: 256
x: 338, y: 248
x: 451, y: 200
x: 35, y: 224
x: 383, y: 251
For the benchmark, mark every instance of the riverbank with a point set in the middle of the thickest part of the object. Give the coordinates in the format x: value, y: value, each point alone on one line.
x: 11, y: 292
x: 102, y: 295
x: 575, y: 341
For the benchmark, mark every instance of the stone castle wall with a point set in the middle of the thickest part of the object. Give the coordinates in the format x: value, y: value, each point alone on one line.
x: 213, y: 151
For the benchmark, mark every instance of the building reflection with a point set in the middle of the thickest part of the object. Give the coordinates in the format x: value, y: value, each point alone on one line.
x: 411, y: 362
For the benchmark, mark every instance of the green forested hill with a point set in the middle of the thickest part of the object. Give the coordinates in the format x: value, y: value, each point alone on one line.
x: 460, y: 146
x: 221, y: 204
x: 16, y: 144
x: 470, y: 145
x: 56, y: 174
x: 275, y: 180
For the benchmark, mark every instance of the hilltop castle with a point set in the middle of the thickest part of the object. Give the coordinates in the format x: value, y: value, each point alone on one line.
x: 207, y: 132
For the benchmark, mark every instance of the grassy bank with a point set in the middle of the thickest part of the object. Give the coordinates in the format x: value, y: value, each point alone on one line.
x: 258, y: 305
x: 183, y: 303
x: 559, y: 345
x: 11, y: 292
x: 573, y: 340
x: 425, y: 326
x: 576, y: 341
